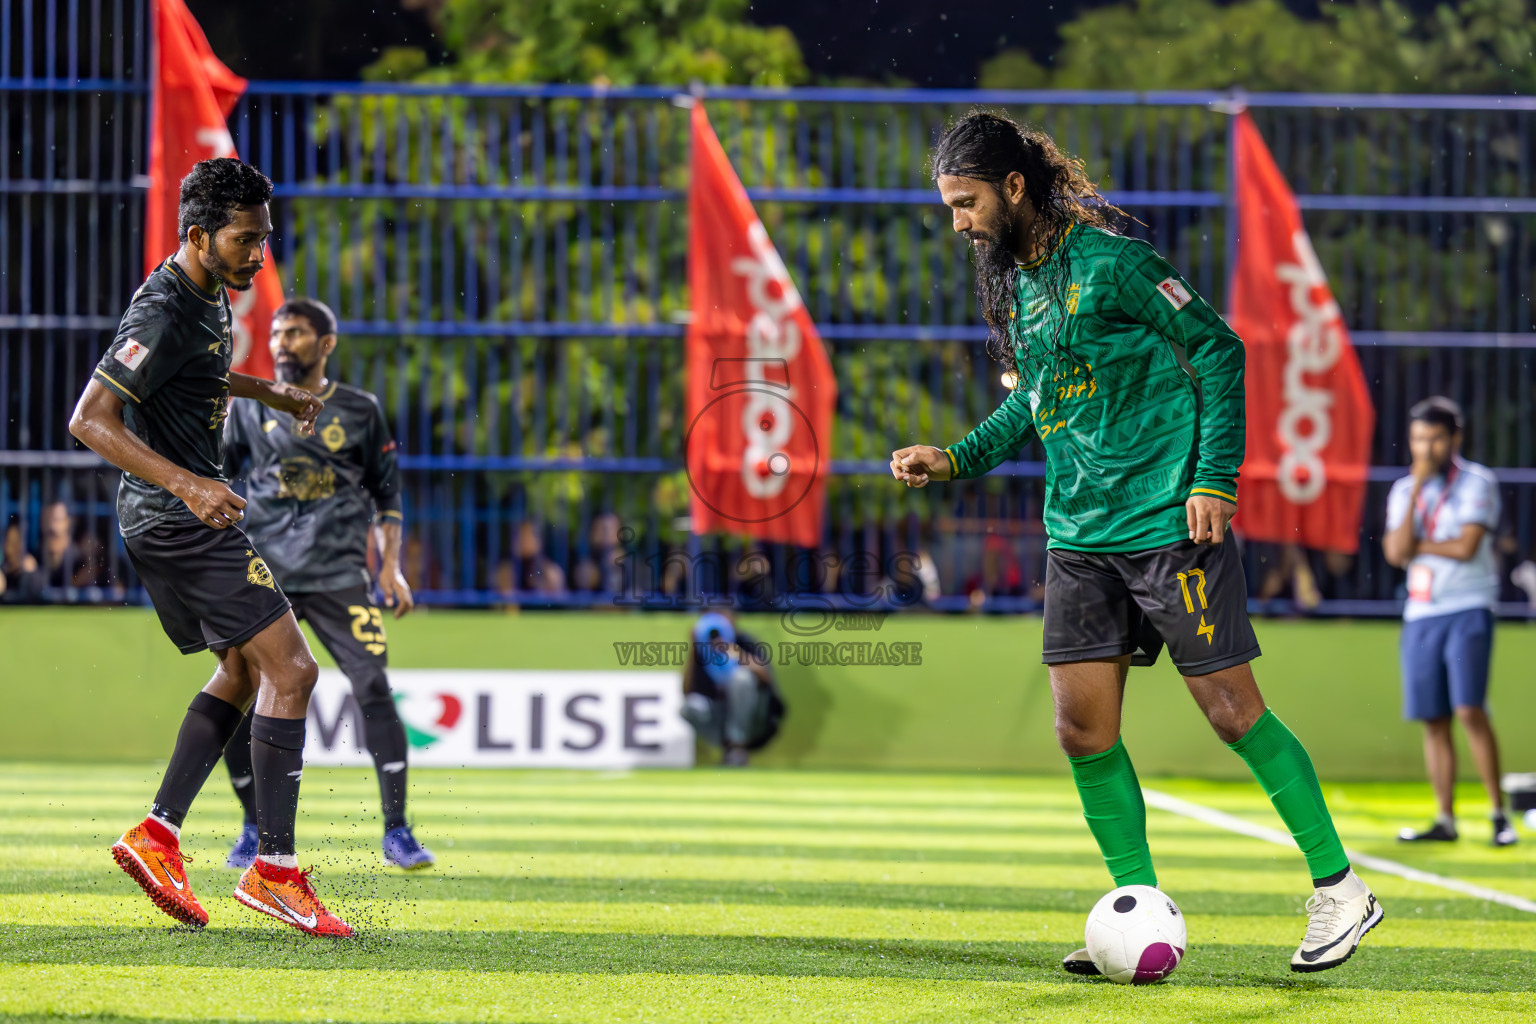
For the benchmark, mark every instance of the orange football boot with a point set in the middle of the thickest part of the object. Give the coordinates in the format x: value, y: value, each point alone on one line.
x: 285, y: 894
x: 152, y: 856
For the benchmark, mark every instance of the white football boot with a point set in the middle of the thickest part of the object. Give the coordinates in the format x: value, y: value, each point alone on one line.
x: 1340, y: 915
x: 1079, y: 962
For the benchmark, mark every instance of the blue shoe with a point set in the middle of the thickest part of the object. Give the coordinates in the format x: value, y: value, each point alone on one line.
x: 402, y: 850
x: 243, y: 854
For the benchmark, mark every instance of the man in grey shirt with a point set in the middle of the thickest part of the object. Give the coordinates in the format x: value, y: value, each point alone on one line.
x: 1440, y: 523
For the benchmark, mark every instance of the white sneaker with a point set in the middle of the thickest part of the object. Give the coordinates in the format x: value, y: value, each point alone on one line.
x: 1340, y: 915
x: 1079, y: 962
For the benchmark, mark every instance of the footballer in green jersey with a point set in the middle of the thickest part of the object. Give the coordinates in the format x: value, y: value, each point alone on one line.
x: 1133, y: 385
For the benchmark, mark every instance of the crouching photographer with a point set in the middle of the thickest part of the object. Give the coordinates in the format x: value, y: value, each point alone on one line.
x: 729, y: 694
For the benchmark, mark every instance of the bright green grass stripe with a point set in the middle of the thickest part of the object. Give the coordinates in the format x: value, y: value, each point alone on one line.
x: 400, y: 888
x: 86, y: 857
x: 1290, y: 884
x: 746, y: 920
x: 620, y: 808
x: 933, y: 845
x: 486, y: 817
x: 663, y: 998
x: 513, y: 861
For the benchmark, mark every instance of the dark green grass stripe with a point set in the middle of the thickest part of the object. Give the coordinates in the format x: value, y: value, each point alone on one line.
x: 95, y: 802
x: 1384, y: 968
x: 1233, y: 855
x: 437, y: 818
x: 391, y: 888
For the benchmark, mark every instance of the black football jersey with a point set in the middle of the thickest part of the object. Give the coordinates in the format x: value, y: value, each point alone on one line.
x: 311, y: 501
x: 169, y: 363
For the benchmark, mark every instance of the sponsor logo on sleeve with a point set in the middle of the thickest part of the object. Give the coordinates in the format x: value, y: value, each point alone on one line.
x: 132, y: 354
x: 1177, y: 295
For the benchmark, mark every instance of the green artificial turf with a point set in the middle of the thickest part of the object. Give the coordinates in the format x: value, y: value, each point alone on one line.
x: 734, y: 897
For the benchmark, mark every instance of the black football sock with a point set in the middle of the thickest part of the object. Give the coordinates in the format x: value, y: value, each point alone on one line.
x: 385, y: 735
x: 277, y: 760
x: 237, y: 758
x: 204, y: 731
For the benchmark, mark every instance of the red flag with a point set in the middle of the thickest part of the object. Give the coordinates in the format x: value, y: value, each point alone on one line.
x: 1310, y: 416
x: 192, y: 94
x: 760, y: 386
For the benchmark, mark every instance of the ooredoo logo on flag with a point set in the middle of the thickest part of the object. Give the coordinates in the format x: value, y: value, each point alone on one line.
x: 1310, y: 416
x: 760, y: 386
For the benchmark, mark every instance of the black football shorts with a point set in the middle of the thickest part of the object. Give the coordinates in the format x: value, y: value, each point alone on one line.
x: 210, y: 587
x: 1193, y: 597
x: 351, y: 627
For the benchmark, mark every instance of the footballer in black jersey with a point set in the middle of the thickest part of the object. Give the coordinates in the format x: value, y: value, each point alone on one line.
x: 155, y: 408
x: 313, y: 502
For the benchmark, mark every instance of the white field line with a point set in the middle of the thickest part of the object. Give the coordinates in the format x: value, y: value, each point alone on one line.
x: 1232, y: 823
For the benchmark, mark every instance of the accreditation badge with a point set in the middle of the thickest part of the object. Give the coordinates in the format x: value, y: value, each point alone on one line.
x: 1421, y: 582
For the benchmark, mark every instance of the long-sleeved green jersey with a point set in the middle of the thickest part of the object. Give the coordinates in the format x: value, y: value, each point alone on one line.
x: 1128, y: 435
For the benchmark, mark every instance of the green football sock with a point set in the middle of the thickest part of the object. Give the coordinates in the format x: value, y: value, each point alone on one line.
x: 1116, y: 815
x: 1280, y: 763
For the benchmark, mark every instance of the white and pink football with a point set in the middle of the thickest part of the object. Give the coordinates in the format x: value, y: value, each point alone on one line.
x: 1135, y: 935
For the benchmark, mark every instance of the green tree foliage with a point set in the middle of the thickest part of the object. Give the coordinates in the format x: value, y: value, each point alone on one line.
x: 1479, y: 46
x: 600, y: 42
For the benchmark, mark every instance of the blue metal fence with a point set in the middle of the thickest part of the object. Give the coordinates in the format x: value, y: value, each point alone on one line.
x: 508, y: 265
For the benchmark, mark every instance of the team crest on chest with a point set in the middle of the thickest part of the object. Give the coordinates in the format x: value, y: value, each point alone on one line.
x: 1072, y: 294
x: 334, y: 436
x: 257, y: 572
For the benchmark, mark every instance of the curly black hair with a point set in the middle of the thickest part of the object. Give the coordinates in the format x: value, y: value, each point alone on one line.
x: 215, y: 189
x: 989, y: 146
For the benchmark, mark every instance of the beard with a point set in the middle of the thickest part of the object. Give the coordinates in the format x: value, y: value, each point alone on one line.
x: 220, y: 268
x: 292, y: 371
x: 997, y: 276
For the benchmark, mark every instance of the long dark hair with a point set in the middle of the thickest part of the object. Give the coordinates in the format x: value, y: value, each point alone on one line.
x: 989, y: 146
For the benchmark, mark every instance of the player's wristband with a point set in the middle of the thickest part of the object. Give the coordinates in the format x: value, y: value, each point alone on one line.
x: 1215, y: 493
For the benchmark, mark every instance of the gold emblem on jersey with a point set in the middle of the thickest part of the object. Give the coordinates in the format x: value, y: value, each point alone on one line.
x: 304, y: 479
x: 268, y: 425
x: 334, y: 436
x: 220, y: 410
x: 257, y: 572
x: 1072, y: 294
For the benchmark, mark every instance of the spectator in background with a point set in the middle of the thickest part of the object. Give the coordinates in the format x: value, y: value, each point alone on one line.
x: 729, y: 694
x: 63, y: 564
x: 1440, y: 524
x: 23, y: 579
x: 541, y: 574
x: 602, y: 570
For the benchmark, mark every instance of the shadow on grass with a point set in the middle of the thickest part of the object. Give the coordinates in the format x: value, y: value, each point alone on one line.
x: 1376, y: 967
x: 438, y: 886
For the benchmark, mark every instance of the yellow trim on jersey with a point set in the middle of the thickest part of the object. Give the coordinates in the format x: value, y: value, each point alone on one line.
x: 325, y: 395
x: 1032, y: 264
x: 133, y: 397
x: 391, y: 512
x: 181, y: 276
x: 1210, y: 490
x: 954, y: 468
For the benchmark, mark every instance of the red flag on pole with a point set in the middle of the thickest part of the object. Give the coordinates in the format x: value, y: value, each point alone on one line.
x: 192, y: 94
x: 760, y: 386
x: 1310, y: 416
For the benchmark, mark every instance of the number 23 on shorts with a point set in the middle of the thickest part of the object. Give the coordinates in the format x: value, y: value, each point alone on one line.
x: 364, y: 617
